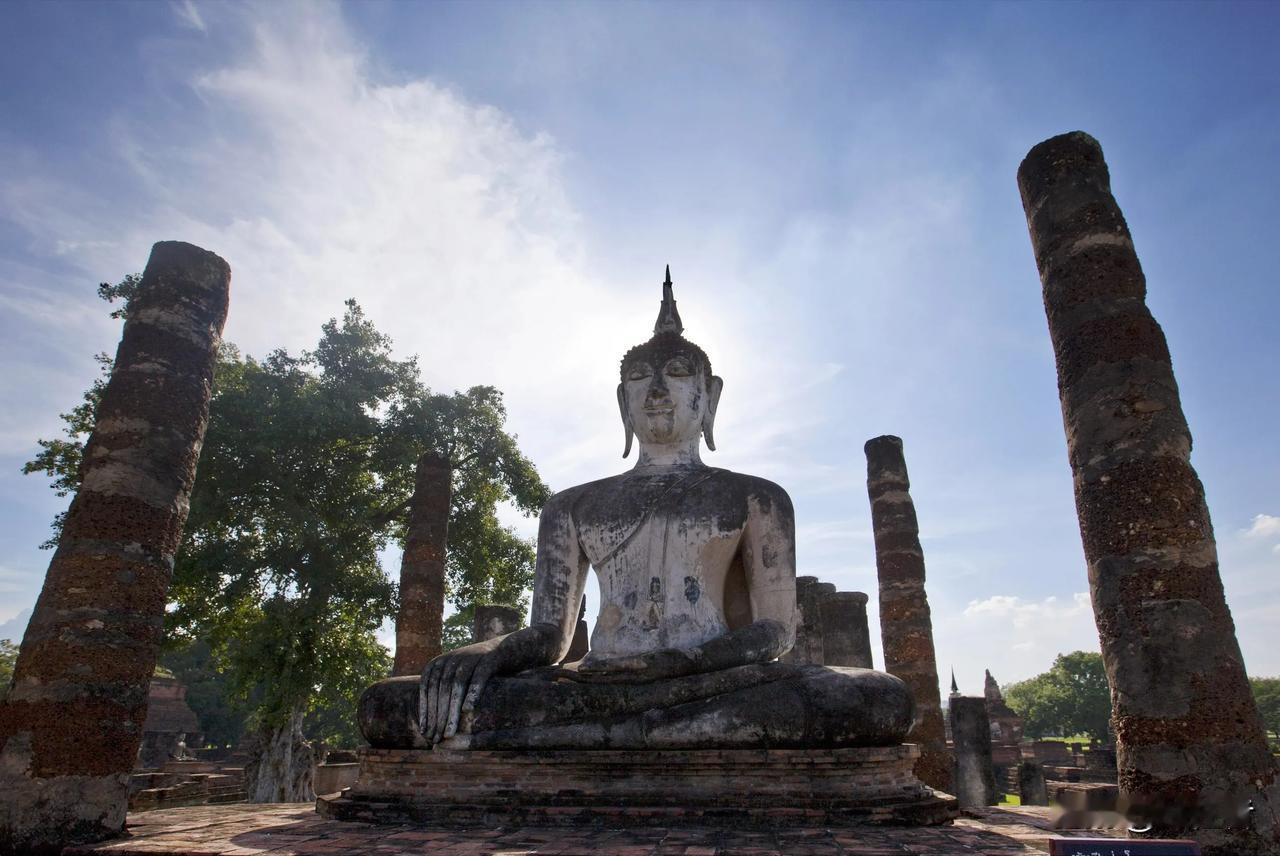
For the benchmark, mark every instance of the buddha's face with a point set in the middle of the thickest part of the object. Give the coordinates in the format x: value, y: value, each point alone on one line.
x: 665, y: 403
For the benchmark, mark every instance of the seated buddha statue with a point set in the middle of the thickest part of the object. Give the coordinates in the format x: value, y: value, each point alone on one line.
x: 696, y: 569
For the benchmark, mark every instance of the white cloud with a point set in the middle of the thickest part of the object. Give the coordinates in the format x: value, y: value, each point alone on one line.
x: 1014, y: 637
x: 1263, y: 526
x: 189, y: 16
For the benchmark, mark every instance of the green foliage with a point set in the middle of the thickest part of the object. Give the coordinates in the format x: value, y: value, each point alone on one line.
x: 8, y: 658
x: 1266, y: 691
x: 60, y: 459
x: 306, y: 471
x: 123, y: 291
x: 486, y: 561
x: 279, y: 569
x: 1073, y: 697
x: 209, y: 692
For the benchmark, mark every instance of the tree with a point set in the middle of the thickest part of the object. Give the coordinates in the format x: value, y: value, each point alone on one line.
x: 1266, y: 691
x: 464, y: 465
x: 1073, y: 697
x: 8, y: 656
x: 304, y: 477
x: 223, y: 716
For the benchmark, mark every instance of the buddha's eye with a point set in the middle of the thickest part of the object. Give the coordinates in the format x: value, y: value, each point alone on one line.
x: 678, y: 368
x: 639, y: 373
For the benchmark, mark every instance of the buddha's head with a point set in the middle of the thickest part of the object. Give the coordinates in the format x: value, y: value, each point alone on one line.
x: 668, y: 394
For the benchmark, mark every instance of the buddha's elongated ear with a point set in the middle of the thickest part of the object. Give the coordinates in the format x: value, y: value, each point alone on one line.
x: 714, y: 388
x: 626, y: 419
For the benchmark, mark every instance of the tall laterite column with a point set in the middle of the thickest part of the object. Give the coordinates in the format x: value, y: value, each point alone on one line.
x: 72, y: 724
x: 1187, y: 729
x: 906, y: 628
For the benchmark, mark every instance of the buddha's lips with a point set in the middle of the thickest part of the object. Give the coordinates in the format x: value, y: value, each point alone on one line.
x: 660, y: 410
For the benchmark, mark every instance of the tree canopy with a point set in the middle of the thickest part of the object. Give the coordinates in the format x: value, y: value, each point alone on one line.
x: 8, y: 657
x: 1266, y: 691
x: 305, y: 472
x: 1073, y: 697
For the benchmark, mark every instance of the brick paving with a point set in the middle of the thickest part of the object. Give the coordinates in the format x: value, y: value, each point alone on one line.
x: 284, y: 830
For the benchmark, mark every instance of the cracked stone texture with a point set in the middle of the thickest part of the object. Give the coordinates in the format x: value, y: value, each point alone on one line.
x: 420, y: 622
x: 846, y: 640
x: 1187, y: 728
x: 975, y: 780
x: 905, y: 625
x: 72, y: 724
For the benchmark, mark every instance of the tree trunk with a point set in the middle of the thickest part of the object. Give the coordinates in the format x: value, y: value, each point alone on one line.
x: 281, y: 764
x: 72, y: 724
x: 421, y: 619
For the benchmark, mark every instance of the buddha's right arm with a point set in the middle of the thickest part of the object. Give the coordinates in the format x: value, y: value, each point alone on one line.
x: 452, y: 683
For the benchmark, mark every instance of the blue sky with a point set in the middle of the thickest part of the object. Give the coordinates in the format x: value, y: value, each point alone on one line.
x: 833, y: 185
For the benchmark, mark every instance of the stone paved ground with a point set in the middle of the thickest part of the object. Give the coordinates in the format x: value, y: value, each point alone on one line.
x: 296, y: 829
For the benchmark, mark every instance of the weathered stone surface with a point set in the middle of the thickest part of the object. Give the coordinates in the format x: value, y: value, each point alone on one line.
x: 906, y: 629
x: 419, y: 623
x: 581, y: 643
x: 170, y: 721
x: 1006, y: 725
x: 493, y: 620
x: 768, y: 705
x: 846, y: 640
x: 974, y: 777
x: 71, y: 726
x: 293, y: 830
x: 808, y: 646
x: 1187, y: 729
x: 1031, y: 787
x: 719, y: 787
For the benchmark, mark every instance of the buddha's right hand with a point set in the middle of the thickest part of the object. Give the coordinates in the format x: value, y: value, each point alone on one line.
x: 452, y: 682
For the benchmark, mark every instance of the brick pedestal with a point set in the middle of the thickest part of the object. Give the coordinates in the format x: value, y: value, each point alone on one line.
x: 718, y: 787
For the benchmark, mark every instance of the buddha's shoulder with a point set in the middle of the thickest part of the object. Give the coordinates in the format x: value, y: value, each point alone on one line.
x: 760, y: 492
x: 726, y: 486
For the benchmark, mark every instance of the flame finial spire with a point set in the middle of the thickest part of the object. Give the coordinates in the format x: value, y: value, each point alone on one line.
x: 668, y: 316
x: 955, y: 690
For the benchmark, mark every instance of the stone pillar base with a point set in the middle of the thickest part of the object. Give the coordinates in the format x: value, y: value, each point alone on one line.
x: 718, y: 787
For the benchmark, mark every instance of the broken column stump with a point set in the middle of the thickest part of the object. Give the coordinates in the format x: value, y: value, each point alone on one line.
x: 72, y: 724
x: 581, y: 643
x: 808, y: 646
x: 975, y: 778
x: 1187, y: 728
x: 1031, y: 786
x: 846, y: 641
x: 906, y: 629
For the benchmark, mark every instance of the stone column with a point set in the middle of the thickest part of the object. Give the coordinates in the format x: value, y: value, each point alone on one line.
x: 581, y: 642
x: 905, y: 626
x: 975, y: 778
x: 1031, y: 786
x: 72, y: 724
x: 808, y: 647
x: 846, y: 640
x: 492, y: 620
x: 1187, y: 728
x: 420, y: 621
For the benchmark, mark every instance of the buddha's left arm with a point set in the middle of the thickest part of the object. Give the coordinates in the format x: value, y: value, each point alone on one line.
x: 769, y: 559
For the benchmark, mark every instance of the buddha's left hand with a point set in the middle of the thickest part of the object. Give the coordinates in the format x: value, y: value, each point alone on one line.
x: 638, y: 669
x: 758, y: 642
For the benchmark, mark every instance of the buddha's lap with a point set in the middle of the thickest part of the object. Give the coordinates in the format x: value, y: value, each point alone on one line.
x: 771, y: 704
